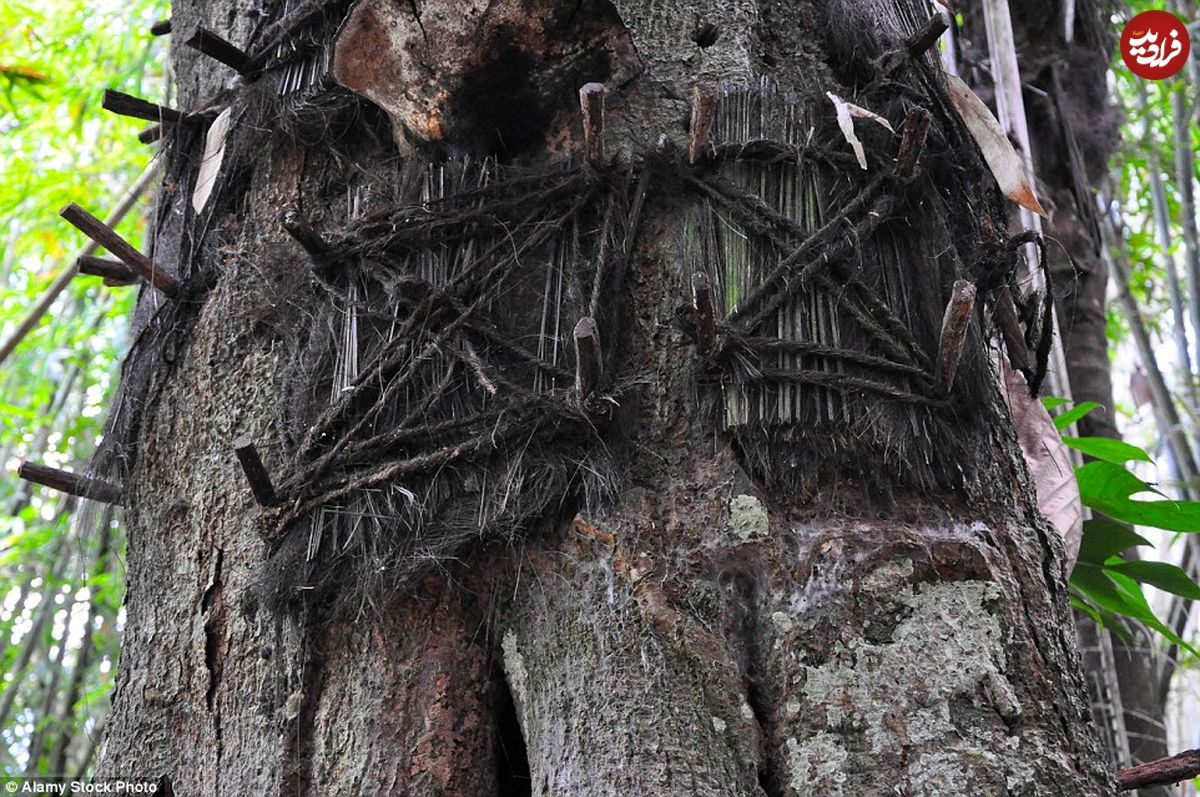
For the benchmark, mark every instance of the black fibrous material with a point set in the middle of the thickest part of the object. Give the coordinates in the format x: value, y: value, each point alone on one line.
x: 431, y: 405
x: 427, y: 415
x: 832, y: 287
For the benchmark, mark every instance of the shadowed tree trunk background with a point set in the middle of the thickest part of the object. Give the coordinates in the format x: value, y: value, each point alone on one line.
x: 789, y: 564
x: 1073, y: 123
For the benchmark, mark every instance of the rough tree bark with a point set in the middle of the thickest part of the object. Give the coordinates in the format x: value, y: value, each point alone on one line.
x: 707, y: 632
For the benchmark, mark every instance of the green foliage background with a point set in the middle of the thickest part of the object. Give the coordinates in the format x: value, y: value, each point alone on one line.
x: 60, y: 594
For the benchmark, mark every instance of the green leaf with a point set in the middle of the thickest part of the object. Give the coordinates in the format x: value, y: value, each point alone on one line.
x: 1104, y: 481
x: 1103, y: 538
x: 1121, y: 595
x: 1115, y: 451
x: 1054, y: 402
x: 1168, y: 577
x: 1107, y: 488
x: 1075, y: 413
x: 1098, y: 588
x: 1078, y: 602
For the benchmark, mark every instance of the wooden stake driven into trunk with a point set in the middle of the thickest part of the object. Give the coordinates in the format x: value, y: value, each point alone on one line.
x: 1005, y: 316
x: 151, y: 134
x: 114, y: 272
x: 913, y: 131
x: 927, y: 35
x: 591, y: 102
x: 954, y: 333
x: 70, y: 483
x: 588, y: 368
x: 143, y: 266
x: 126, y: 105
x: 702, y: 305
x: 1161, y: 772
x: 256, y: 473
x: 217, y: 48
x: 704, y: 113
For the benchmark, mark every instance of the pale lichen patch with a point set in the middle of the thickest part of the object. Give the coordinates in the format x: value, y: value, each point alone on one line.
x: 718, y: 725
x: 514, y: 667
x: 947, y: 651
x: 748, y: 517
x: 816, y: 766
x: 890, y: 576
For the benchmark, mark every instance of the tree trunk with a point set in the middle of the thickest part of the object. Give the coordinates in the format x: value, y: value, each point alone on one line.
x: 788, y: 566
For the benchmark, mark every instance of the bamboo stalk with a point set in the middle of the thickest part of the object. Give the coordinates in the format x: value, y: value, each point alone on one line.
x: 1162, y: 228
x: 83, y: 659
x: 45, y: 711
x: 1185, y: 169
x: 1169, y: 425
x: 42, y: 615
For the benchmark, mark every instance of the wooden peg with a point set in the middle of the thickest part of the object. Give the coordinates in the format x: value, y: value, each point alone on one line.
x: 927, y: 35
x: 143, y: 266
x: 70, y: 483
x: 702, y: 306
x: 588, y: 366
x: 1160, y: 772
x: 256, y: 474
x: 954, y: 334
x: 704, y: 112
x: 161, y: 28
x: 152, y: 133
x: 301, y: 230
x: 1005, y: 315
x: 913, y: 131
x: 217, y: 48
x: 114, y: 272
x: 126, y: 105
x: 591, y: 102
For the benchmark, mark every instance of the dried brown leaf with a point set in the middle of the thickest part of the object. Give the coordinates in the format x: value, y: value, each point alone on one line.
x: 1006, y: 165
x: 1048, y: 460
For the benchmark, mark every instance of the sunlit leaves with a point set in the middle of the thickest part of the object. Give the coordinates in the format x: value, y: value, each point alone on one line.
x: 58, y: 146
x: 1104, y: 583
x: 1117, y: 452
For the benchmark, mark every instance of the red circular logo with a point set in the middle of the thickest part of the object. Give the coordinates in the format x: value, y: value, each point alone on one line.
x: 1155, y: 45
